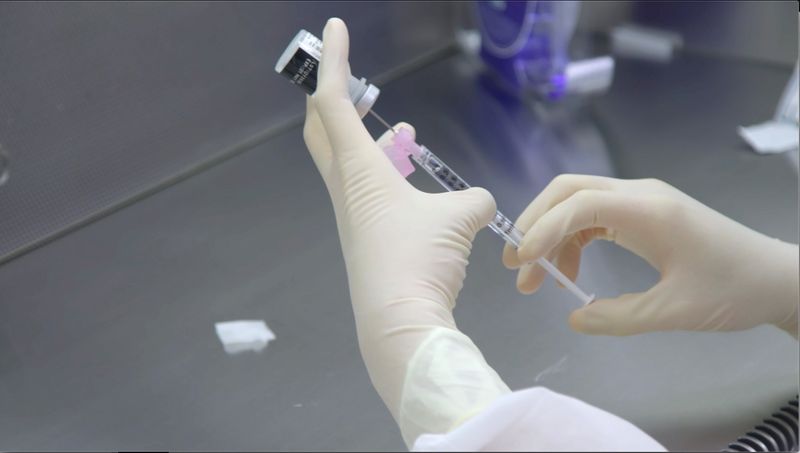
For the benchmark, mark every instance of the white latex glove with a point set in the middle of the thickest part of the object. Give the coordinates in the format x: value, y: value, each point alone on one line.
x: 406, y: 256
x: 716, y: 274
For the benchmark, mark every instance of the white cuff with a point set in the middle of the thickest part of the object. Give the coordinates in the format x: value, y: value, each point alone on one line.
x: 447, y: 381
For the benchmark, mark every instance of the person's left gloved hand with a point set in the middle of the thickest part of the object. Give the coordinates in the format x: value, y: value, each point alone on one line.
x: 406, y: 255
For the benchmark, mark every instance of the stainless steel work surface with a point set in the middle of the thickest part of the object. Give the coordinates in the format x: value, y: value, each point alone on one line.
x: 101, y: 101
x: 107, y: 334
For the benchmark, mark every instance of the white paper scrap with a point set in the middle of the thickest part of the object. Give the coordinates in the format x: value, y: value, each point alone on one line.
x: 771, y: 137
x: 243, y: 335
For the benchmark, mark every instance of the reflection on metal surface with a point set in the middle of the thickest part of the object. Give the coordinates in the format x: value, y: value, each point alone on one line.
x: 485, y: 131
x: 5, y: 163
x: 556, y: 368
x: 111, y: 101
x: 526, y: 43
x: 542, y: 140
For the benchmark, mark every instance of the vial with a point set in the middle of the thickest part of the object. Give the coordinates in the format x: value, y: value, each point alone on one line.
x: 300, y: 62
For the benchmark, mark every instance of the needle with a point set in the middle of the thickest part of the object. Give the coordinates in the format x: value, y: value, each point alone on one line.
x: 513, y: 239
x: 378, y: 117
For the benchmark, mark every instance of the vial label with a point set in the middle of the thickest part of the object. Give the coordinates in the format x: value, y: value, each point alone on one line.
x: 302, y: 70
x: 304, y: 63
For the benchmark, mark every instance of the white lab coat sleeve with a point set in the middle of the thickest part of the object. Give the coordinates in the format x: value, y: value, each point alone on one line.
x: 538, y: 419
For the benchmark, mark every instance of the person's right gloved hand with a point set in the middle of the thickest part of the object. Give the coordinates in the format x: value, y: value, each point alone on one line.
x: 716, y: 274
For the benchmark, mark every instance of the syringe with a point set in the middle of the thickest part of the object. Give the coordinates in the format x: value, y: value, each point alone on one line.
x: 450, y: 180
x: 299, y: 63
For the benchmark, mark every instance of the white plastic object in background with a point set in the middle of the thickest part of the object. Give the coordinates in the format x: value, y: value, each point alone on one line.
x: 788, y: 106
x: 634, y: 41
x: 782, y: 133
x: 771, y: 137
x: 244, y: 335
x: 593, y: 75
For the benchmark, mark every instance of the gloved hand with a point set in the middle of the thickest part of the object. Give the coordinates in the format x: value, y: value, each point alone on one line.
x: 716, y: 274
x: 406, y: 256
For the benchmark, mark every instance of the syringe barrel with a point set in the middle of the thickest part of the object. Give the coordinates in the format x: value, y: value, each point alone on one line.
x: 500, y: 224
x: 506, y: 229
x: 451, y: 181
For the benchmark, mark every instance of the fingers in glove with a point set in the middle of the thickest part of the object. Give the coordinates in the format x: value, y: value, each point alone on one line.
x: 474, y: 208
x: 352, y: 146
x: 387, y: 137
x: 568, y: 259
x: 316, y: 139
x: 531, y: 275
x: 559, y: 189
x: 629, y: 314
x: 586, y: 209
